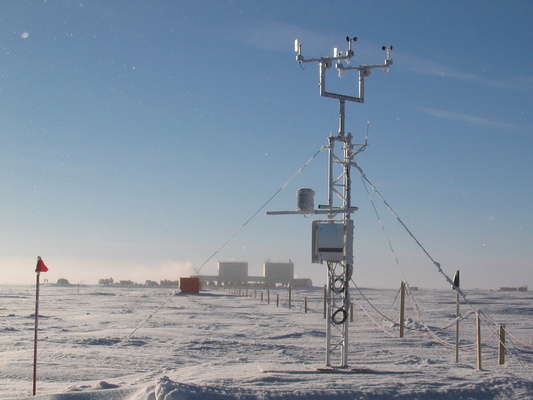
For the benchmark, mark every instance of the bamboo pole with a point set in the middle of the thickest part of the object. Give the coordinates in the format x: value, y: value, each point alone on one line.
x: 457, y: 332
x: 290, y: 295
x: 36, y: 334
x: 41, y: 267
x: 501, y: 350
x: 325, y: 301
x: 478, y: 329
x: 351, y: 312
x: 402, y: 308
x: 268, y: 295
x: 305, y: 304
x: 277, y: 300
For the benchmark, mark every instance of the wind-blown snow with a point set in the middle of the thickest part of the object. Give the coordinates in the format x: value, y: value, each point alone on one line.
x: 220, y: 346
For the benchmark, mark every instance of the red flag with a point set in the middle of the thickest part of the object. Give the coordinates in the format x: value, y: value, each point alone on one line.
x: 40, y: 266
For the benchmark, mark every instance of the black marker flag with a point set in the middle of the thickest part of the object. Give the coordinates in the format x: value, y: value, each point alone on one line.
x: 456, y: 280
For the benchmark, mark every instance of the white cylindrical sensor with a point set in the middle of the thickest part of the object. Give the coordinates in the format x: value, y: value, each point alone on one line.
x: 305, y: 199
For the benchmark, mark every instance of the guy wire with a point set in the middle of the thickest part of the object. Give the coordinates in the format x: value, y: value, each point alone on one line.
x: 197, y: 271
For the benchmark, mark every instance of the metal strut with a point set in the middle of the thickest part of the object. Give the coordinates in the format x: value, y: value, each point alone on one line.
x: 339, y: 272
x: 333, y: 237
x: 339, y: 188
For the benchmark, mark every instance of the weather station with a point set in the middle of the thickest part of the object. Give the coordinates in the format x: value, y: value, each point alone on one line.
x: 332, y: 237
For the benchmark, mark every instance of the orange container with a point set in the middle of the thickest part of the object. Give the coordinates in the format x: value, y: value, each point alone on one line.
x: 190, y: 285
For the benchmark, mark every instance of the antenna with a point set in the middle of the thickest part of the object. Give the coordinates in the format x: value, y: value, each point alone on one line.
x: 332, y: 238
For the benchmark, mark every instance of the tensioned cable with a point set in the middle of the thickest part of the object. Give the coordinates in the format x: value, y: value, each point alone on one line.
x: 415, y: 304
x: 363, y: 177
x: 129, y: 335
x: 450, y: 281
x: 432, y: 332
x: 487, y: 320
x: 382, y: 226
x: 365, y: 180
x: 516, y: 355
x: 371, y: 305
x: 523, y: 342
x: 375, y: 322
x: 260, y: 208
x: 393, y: 301
x: 385, y: 317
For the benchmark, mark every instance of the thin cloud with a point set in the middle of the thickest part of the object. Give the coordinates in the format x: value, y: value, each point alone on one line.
x: 423, y: 66
x: 523, y: 81
x: 275, y: 36
x: 279, y: 37
x: 470, y: 119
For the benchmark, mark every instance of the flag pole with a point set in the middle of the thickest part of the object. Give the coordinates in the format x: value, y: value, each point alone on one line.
x: 35, y: 334
x: 41, y: 267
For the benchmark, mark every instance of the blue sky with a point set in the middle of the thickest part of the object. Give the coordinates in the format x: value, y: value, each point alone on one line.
x: 136, y: 137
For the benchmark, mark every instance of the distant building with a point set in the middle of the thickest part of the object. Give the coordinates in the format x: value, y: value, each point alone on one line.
x: 167, y: 283
x: 513, y: 289
x: 106, y: 281
x: 236, y: 273
x: 302, y: 283
x: 278, y: 272
x: 232, y: 272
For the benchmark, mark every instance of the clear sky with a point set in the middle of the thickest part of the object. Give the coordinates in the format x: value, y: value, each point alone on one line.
x: 136, y: 137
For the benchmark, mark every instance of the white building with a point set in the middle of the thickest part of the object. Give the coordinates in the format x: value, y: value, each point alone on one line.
x: 278, y: 272
x: 233, y: 272
x: 274, y: 273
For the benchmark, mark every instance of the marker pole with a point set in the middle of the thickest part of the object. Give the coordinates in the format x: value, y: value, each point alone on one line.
x: 35, y: 334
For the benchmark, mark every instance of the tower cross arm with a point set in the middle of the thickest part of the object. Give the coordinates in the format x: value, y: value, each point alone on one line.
x: 366, y: 68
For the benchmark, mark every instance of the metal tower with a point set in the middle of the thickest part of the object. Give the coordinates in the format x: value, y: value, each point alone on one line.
x: 333, y: 237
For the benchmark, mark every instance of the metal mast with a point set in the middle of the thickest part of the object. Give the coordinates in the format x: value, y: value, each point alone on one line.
x: 333, y: 237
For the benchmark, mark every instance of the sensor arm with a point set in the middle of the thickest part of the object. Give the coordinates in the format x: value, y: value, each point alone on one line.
x: 339, y: 56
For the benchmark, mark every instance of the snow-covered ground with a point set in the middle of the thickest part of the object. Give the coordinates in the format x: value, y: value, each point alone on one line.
x: 93, y: 344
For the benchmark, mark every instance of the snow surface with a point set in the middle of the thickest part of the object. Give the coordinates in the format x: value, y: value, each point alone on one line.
x: 127, y: 343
